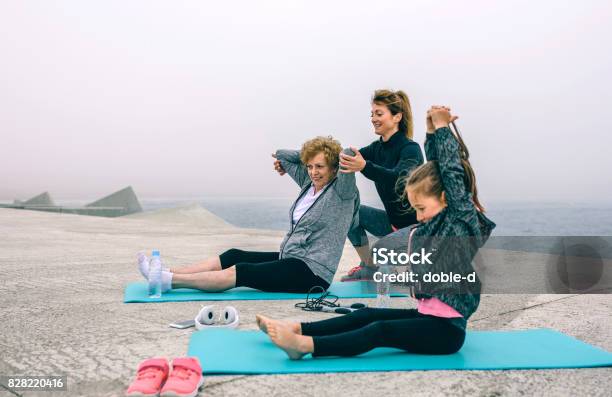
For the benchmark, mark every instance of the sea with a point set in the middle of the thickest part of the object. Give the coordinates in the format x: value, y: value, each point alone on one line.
x: 512, y: 218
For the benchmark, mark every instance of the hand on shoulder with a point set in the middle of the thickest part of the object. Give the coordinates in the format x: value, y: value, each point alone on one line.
x: 350, y: 164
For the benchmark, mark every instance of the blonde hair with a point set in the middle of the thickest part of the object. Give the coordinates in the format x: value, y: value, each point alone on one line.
x: 397, y: 102
x: 330, y: 148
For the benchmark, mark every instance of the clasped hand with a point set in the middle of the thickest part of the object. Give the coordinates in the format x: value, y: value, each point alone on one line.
x: 277, y: 166
x: 438, y: 117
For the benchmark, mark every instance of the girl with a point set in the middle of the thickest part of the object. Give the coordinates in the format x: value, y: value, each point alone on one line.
x: 452, y: 226
x: 385, y: 162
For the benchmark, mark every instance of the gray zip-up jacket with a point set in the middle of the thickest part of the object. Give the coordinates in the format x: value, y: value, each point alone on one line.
x: 318, y: 237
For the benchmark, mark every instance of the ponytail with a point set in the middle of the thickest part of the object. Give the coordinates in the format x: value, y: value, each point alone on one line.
x: 406, y: 124
x: 470, y: 177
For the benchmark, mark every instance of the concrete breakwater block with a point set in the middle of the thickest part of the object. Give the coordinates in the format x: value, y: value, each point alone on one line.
x: 125, y: 198
x: 120, y: 203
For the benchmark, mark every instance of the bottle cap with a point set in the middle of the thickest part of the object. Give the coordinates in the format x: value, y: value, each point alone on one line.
x: 155, y: 253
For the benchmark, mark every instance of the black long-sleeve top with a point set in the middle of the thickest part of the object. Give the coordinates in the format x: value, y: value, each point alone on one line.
x: 386, y: 162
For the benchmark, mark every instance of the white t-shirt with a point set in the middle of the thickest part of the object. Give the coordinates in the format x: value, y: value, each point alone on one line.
x: 305, y: 202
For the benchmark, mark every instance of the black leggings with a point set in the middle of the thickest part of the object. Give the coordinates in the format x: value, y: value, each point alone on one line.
x: 265, y: 272
x: 364, y: 329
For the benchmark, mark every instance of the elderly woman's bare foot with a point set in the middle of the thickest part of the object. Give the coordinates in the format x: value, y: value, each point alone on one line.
x: 263, y: 324
x: 296, y: 346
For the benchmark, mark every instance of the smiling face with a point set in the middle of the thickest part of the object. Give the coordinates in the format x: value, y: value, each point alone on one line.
x: 385, y: 123
x: 319, y: 171
x: 426, y: 207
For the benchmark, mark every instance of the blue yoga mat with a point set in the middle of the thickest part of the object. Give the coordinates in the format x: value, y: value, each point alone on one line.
x: 228, y: 351
x: 138, y: 293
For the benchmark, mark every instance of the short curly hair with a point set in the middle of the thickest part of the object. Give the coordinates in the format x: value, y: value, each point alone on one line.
x: 330, y: 148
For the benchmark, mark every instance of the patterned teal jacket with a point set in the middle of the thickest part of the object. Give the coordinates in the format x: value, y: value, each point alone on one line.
x: 454, y: 235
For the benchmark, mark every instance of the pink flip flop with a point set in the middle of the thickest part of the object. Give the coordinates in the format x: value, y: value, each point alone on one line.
x: 185, y: 378
x: 149, y: 379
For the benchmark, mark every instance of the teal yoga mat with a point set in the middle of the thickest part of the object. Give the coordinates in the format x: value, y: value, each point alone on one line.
x: 228, y: 351
x: 138, y: 293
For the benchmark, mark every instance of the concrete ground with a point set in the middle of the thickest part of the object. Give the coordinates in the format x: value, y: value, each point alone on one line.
x: 62, y: 312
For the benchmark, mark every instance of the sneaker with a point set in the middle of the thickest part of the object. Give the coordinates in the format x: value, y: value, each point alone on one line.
x: 359, y: 273
x: 151, y: 374
x: 185, y: 379
x: 144, y: 264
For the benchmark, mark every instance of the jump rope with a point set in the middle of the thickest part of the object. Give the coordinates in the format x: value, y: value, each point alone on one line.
x: 326, y: 303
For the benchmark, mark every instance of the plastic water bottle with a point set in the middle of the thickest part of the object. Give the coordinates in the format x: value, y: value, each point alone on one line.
x: 383, y: 288
x: 155, y: 270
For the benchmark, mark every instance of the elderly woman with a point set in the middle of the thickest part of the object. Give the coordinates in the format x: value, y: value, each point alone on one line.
x: 321, y: 217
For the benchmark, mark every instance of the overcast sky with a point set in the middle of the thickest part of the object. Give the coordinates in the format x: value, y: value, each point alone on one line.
x: 187, y: 99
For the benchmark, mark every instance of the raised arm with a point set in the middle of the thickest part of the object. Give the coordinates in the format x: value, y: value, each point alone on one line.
x: 446, y: 148
x: 291, y: 163
x: 345, y: 185
x: 430, y: 147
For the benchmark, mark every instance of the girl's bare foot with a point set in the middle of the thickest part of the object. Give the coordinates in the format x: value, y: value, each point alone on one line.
x: 263, y: 324
x: 296, y: 346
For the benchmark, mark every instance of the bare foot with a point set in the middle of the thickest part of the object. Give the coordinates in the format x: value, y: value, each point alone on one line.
x: 263, y: 324
x: 296, y: 346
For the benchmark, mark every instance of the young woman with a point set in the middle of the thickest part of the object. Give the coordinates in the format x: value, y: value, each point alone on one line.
x: 385, y: 162
x: 453, y: 227
x: 309, y: 255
